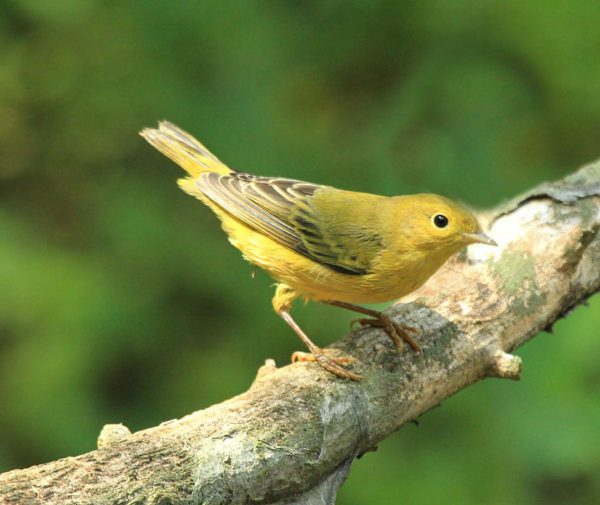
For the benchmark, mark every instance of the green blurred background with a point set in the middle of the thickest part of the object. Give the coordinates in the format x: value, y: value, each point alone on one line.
x: 121, y: 300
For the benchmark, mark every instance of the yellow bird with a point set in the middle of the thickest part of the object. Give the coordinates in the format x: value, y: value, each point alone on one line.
x: 321, y: 243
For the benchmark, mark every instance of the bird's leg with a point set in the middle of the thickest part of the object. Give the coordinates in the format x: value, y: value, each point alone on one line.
x: 396, y: 332
x: 316, y: 353
x: 282, y: 301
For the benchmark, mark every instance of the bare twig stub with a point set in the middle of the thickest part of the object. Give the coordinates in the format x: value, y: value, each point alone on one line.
x: 292, y: 436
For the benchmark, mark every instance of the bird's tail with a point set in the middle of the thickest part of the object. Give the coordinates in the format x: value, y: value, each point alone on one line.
x: 184, y: 150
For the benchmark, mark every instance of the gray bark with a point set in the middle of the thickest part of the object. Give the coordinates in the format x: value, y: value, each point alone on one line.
x: 292, y: 437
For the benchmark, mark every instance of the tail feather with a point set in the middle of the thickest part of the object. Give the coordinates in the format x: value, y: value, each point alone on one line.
x: 184, y: 149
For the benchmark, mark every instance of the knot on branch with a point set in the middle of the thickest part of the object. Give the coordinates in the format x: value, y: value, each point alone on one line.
x: 267, y: 369
x: 111, y: 434
x: 504, y: 365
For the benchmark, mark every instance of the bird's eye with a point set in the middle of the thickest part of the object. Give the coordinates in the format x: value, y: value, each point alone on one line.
x: 440, y: 220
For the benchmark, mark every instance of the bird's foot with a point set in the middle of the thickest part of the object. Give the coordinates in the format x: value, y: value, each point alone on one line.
x: 398, y: 333
x: 331, y: 364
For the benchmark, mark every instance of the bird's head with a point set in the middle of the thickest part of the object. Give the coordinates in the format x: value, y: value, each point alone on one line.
x: 438, y: 223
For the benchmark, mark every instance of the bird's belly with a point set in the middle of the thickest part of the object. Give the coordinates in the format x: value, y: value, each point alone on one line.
x: 368, y: 289
x: 382, y: 285
x: 318, y: 282
x: 313, y: 280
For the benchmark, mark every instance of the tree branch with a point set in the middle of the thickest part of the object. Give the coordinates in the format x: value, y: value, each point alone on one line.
x: 292, y: 436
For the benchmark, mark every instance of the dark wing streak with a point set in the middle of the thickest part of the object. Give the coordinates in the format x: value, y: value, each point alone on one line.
x: 269, y: 193
x: 250, y: 211
x: 275, y: 207
x: 233, y: 201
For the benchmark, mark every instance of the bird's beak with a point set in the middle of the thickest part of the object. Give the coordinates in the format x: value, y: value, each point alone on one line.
x: 479, y: 237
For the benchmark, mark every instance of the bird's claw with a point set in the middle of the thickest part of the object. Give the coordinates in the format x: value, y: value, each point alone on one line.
x: 398, y: 333
x: 331, y: 364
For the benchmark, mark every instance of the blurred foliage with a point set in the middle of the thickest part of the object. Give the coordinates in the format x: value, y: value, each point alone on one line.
x: 121, y: 300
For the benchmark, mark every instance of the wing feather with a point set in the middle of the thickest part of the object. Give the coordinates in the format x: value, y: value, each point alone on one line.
x: 284, y: 210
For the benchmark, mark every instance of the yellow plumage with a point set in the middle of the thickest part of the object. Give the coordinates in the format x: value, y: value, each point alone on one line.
x: 322, y: 243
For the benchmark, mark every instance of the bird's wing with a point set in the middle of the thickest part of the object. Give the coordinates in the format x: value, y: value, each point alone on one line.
x: 285, y: 211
